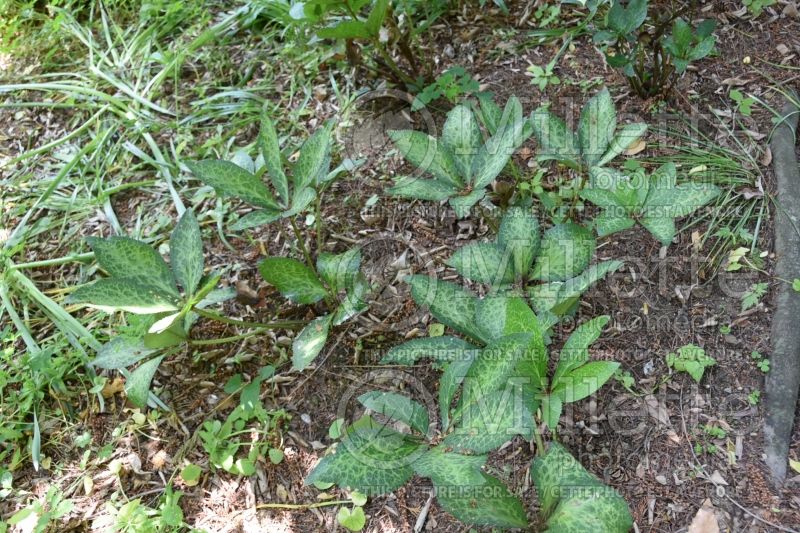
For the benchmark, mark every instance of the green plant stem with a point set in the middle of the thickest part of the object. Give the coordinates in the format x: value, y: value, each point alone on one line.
x: 77, y: 258
x: 285, y: 324
x: 537, y: 437
x: 302, y: 505
x: 302, y: 244
x: 223, y: 340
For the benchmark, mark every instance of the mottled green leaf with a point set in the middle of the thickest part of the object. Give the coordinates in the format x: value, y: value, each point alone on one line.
x: 314, y: 159
x: 122, y: 294
x: 662, y: 228
x: 492, y: 420
x: 566, y: 250
x: 576, y: 350
x: 623, y: 140
x: 253, y: 219
x: 463, y: 204
x: 558, y: 296
x: 448, y: 303
x: 271, y: 152
x: 452, y: 378
x: 606, y: 223
x: 551, y: 410
x: 482, y: 504
x: 462, y: 136
x: 372, y: 458
x: 134, y: 260
x: 519, y: 235
x: 428, y: 155
x: 186, y: 252
x: 498, y: 149
x: 583, y: 381
x: 229, y: 179
x: 555, y: 140
x: 572, y: 499
x: 121, y: 352
x: 431, y: 190
x: 293, y: 279
x: 310, y: 341
x: 137, y: 386
x: 442, y: 349
x: 483, y: 262
x: 446, y: 468
x: 397, y: 407
x: 596, y: 128
x: 301, y: 199
x: 339, y: 270
x: 493, y: 367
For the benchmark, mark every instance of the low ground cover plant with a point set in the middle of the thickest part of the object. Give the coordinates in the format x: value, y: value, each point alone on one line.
x: 493, y: 383
x: 337, y: 280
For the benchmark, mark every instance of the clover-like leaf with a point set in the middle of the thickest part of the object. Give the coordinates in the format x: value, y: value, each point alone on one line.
x: 293, y: 279
x: 186, y: 252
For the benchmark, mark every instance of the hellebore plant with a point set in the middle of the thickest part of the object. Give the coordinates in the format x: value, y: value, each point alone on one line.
x: 333, y: 275
x: 654, y: 202
x: 560, y: 259
x: 492, y: 385
x: 141, y: 282
x: 462, y: 165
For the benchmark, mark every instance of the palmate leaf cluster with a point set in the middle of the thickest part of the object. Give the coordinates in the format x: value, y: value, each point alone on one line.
x: 294, y: 186
x: 460, y: 162
x: 334, y: 274
x: 653, y: 201
x: 493, y: 381
x: 559, y: 258
x: 597, y: 141
x: 140, y: 281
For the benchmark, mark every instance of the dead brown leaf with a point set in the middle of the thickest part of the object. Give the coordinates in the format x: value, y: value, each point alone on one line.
x: 705, y: 521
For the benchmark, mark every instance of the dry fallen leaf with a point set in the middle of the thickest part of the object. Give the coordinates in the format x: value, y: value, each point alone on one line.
x: 636, y: 147
x: 705, y: 521
x: 113, y: 387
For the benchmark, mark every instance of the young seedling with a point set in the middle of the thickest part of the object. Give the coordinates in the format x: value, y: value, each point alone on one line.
x: 654, y: 202
x: 692, y: 360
